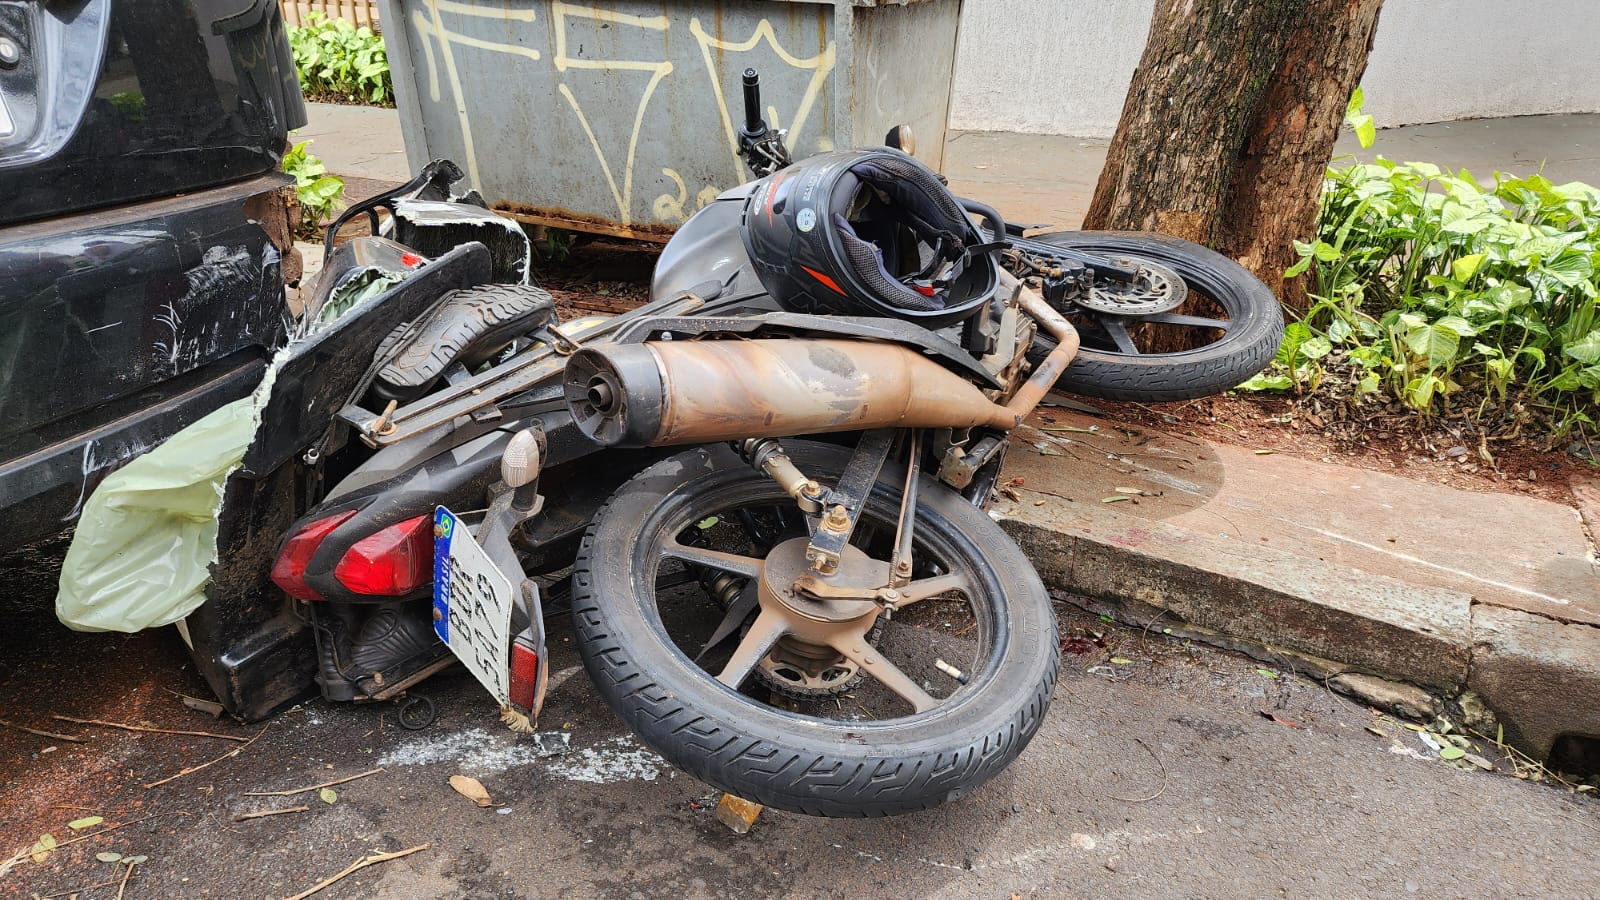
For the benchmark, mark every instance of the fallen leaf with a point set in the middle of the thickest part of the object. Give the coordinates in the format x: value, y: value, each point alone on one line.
x: 329, y: 796
x: 1265, y: 452
x: 1266, y: 673
x: 472, y: 789
x: 1487, y: 766
x: 42, y: 847
x: 108, y: 856
x: 85, y: 822
x: 1131, y: 490
x: 1450, y: 752
x: 1115, y: 499
x: 135, y: 860
x: 1281, y: 721
x: 1120, y: 661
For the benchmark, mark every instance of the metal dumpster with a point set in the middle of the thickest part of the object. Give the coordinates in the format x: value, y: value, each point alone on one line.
x: 621, y: 118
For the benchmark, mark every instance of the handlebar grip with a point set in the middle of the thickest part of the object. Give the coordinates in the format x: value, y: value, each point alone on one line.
x: 753, y: 123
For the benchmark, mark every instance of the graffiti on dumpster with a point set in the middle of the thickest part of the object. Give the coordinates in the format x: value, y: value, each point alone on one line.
x: 587, y: 47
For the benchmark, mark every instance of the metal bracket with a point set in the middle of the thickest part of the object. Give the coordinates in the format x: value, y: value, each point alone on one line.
x: 844, y: 502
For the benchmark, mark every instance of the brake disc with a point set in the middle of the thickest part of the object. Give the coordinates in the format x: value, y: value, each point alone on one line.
x: 1155, y: 289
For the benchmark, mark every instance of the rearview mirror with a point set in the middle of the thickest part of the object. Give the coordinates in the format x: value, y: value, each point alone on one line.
x: 901, y: 138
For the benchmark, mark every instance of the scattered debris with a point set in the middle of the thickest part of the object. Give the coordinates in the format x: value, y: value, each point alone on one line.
x: 11, y: 862
x: 1268, y: 714
x: 472, y: 789
x: 209, y: 707
x: 516, y: 720
x: 737, y: 813
x: 262, y: 814
x: 126, y: 727
x: 192, y: 769
x: 314, y: 787
x: 1159, y: 791
x: 357, y: 866
x: 476, y: 750
x: 48, y: 734
x: 618, y: 759
x: 127, y: 872
x: 1401, y: 699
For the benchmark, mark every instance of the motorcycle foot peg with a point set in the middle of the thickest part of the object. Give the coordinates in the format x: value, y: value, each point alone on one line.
x: 737, y: 813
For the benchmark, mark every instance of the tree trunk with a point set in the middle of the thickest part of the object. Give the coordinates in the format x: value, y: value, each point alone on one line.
x: 1230, y: 123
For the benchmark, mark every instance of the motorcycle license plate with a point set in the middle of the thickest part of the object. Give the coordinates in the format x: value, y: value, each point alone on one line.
x: 472, y: 604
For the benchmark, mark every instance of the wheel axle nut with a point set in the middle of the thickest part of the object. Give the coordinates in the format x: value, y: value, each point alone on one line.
x: 837, y: 520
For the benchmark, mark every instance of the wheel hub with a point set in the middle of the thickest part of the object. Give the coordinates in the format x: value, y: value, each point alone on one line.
x: 1155, y: 289
x: 787, y: 563
x: 802, y: 664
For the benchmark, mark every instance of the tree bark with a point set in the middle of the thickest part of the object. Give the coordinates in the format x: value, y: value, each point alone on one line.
x: 1229, y: 125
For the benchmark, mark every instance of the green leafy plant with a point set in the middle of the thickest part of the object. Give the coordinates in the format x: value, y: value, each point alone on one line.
x: 1427, y: 284
x: 340, y: 62
x: 319, y: 193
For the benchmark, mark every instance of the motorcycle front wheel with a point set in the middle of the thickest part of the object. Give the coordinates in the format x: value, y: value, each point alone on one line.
x: 1231, y: 322
x: 877, y: 725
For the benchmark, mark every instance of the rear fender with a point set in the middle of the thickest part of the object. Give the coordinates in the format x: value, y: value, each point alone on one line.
x: 323, y: 373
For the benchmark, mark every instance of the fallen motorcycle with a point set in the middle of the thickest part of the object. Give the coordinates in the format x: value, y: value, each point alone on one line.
x: 760, y: 496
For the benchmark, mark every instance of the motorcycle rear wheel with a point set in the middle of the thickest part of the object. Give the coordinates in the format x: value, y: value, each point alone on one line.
x: 640, y: 643
x: 1248, y: 317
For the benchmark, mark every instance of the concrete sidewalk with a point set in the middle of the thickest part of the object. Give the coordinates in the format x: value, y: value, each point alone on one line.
x: 1049, y: 179
x: 1343, y: 572
x: 1339, y: 570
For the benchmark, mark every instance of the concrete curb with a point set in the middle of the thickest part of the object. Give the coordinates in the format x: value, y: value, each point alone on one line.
x: 1539, y: 675
x: 1368, y: 622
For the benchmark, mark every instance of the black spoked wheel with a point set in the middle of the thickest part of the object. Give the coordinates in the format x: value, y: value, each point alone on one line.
x: 1229, y: 321
x: 688, y: 620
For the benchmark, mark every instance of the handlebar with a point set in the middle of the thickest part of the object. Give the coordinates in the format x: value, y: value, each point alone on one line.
x: 753, y: 122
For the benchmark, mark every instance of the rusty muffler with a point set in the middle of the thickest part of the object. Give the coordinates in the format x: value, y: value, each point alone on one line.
x: 689, y: 392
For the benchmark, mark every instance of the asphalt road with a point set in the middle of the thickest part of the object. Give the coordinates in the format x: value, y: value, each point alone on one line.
x: 1158, y: 777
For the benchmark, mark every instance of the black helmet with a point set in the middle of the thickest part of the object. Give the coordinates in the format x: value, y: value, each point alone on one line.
x: 866, y: 232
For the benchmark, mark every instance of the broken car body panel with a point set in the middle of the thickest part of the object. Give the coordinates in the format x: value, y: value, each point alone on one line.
x: 140, y: 253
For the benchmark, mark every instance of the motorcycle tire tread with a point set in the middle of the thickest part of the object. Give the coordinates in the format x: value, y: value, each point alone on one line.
x: 718, y: 745
x: 470, y: 323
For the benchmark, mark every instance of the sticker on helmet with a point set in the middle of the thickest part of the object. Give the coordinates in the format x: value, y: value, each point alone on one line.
x: 806, y: 219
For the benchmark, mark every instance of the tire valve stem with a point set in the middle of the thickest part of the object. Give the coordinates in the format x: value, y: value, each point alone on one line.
x: 950, y: 670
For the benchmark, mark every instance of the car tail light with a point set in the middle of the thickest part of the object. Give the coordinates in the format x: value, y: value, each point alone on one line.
x: 392, y: 562
x: 289, y: 570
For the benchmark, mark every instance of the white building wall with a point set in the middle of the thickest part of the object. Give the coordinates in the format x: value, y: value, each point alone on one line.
x: 1063, y: 66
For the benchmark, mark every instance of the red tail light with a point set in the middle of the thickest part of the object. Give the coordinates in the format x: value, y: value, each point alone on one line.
x: 289, y: 571
x: 525, y: 677
x: 392, y: 562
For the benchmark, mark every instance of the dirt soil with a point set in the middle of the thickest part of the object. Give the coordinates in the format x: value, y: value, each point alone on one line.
x: 598, y: 275
x: 1396, y: 443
